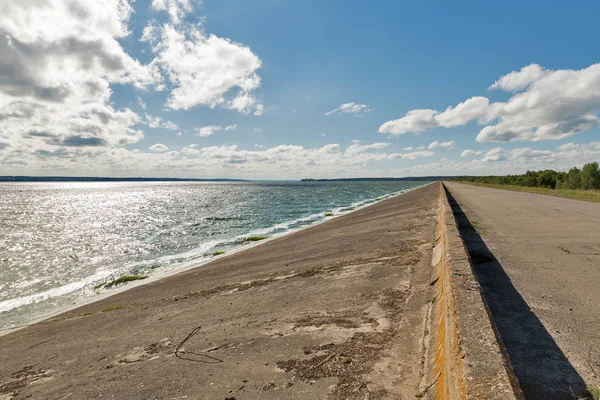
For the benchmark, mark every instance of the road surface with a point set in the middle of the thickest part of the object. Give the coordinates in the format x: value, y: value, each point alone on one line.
x: 538, y: 261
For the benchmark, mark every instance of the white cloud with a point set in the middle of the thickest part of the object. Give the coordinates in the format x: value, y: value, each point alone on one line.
x: 191, y: 150
x: 179, y: 134
x: 159, y: 148
x: 210, y: 129
x: 519, y: 80
x: 515, y: 161
x: 411, y: 156
x: 323, y: 135
x: 58, y: 60
x: 176, y: 8
x: 546, y: 104
x: 445, y: 145
x: 496, y: 154
x: 256, y: 130
x: 415, y: 121
x: 157, y: 122
x: 356, y: 147
x: 258, y: 146
x: 407, y: 149
x: 141, y: 103
x: 350, y: 108
x: 469, y: 153
x: 205, y: 69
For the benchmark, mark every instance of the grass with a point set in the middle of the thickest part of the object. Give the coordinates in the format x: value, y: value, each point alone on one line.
x: 329, y: 214
x: 255, y: 238
x: 585, y: 195
x: 113, y: 308
x: 593, y: 393
x: 120, y: 280
x: 85, y: 314
x: 218, y: 253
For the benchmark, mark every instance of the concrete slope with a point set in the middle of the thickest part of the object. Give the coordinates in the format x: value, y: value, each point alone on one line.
x: 538, y: 261
x: 334, y: 311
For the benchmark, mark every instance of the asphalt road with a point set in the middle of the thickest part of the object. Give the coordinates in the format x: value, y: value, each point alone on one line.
x: 538, y: 261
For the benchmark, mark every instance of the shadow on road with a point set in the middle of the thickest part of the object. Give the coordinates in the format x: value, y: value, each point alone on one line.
x: 541, y: 367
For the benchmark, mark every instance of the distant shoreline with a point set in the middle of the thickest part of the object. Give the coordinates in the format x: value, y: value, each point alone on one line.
x: 409, y: 178
x: 107, y: 179
x: 140, y: 179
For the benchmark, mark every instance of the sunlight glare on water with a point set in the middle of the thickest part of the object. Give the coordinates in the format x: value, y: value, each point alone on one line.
x: 59, y: 240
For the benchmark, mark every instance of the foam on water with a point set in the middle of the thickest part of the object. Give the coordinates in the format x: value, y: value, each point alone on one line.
x: 63, y: 240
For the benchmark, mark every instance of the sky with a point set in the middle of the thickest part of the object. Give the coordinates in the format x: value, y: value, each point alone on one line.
x: 282, y: 89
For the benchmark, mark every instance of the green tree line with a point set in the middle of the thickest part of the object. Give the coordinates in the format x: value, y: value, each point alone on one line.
x: 586, y: 178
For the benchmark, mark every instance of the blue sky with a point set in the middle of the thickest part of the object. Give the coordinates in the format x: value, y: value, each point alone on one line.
x: 241, y: 89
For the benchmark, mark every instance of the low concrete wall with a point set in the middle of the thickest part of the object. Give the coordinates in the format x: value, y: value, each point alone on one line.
x: 466, y: 357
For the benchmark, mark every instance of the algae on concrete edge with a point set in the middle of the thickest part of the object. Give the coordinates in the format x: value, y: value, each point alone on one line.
x: 120, y: 280
x: 254, y: 238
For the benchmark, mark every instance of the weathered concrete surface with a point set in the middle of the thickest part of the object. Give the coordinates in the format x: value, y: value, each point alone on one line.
x: 334, y: 311
x: 467, y: 360
x: 538, y: 261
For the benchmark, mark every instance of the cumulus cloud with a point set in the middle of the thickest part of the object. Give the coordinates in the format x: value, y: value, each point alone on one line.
x: 159, y: 148
x: 356, y: 147
x: 176, y: 8
x: 519, y: 80
x: 407, y: 149
x: 496, y: 154
x: 141, y: 103
x: 349, y: 108
x: 205, y: 69
x: 445, y: 145
x: 210, y: 129
x: 58, y: 62
x: 411, y: 156
x: 157, y: 122
x: 546, y: 104
x: 469, y: 153
x: 515, y: 161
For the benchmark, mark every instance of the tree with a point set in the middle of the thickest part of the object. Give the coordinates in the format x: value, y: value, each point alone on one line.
x: 547, y: 178
x: 574, y: 178
x: 561, y: 180
x: 590, y: 176
x: 530, y: 178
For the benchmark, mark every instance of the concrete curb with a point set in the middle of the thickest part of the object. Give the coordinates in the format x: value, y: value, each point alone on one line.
x: 466, y: 356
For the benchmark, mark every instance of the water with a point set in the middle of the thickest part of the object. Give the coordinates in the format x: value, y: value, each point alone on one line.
x: 59, y: 241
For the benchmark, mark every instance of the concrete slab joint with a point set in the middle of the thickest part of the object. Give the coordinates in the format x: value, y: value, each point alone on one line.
x: 466, y: 358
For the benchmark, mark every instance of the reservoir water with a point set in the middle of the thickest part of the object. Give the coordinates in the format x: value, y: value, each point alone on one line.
x: 62, y: 244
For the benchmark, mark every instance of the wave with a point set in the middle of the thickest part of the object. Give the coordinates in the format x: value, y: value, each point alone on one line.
x: 170, y: 264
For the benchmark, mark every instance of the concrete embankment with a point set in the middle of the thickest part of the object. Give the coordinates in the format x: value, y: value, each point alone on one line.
x: 466, y: 358
x: 537, y: 259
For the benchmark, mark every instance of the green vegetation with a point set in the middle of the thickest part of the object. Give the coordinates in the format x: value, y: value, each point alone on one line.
x: 113, y: 308
x: 218, y: 253
x: 587, y: 178
x: 85, y: 314
x: 255, y: 238
x: 120, y: 280
x: 329, y: 214
x: 592, y: 393
x: 579, y: 184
